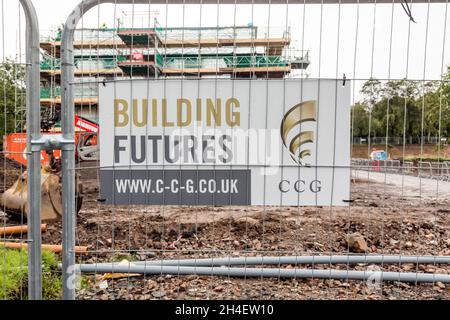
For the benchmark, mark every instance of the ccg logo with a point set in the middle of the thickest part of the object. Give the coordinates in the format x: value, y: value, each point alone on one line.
x: 292, y: 122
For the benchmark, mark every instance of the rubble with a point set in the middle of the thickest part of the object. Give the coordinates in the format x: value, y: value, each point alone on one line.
x: 357, y: 243
x: 155, y: 232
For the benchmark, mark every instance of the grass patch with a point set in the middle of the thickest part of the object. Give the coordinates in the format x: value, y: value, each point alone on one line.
x: 14, y: 275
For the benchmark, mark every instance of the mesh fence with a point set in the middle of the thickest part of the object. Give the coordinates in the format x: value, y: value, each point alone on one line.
x: 349, y: 201
x: 13, y: 230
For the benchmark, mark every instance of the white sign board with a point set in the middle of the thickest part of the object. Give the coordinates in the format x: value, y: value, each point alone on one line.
x: 225, y: 142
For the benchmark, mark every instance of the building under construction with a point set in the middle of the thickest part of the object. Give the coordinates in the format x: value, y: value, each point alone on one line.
x: 247, y: 52
x: 123, y: 53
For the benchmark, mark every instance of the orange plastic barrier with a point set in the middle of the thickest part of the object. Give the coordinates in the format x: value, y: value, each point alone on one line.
x: 47, y: 247
x: 9, y: 231
x: 15, y: 148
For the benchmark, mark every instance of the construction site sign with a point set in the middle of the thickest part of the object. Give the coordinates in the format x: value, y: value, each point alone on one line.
x: 225, y: 142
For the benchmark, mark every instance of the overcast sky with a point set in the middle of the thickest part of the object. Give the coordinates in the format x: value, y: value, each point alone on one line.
x: 422, y: 55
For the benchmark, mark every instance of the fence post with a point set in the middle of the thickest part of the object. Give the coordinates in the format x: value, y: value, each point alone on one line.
x: 68, y: 157
x: 68, y: 150
x: 33, y: 154
x: 68, y: 131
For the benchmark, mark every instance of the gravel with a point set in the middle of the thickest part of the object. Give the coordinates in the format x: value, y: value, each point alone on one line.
x: 390, y: 221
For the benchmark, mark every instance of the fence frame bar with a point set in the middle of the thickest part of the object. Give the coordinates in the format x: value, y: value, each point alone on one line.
x: 34, y: 154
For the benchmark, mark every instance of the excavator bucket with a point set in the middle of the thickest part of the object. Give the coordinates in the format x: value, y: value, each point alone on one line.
x: 14, y: 200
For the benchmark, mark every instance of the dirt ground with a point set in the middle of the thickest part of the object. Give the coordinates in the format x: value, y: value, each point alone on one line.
x: 390, y: 222
x: 9, y: 172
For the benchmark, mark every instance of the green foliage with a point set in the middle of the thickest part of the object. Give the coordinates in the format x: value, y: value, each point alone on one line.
x: 400, y: 107
x: 14, y: 275
x: 12, y: 95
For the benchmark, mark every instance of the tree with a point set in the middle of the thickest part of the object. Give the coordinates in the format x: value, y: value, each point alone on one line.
x: 402, y: 107
x: 437, y: 112
x: 12, y: 95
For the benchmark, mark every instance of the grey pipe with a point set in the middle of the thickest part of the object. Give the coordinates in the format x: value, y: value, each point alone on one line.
x: 294, y: 260
x: 336, y: 259
x: 33, y: 115
x: 268, y: 273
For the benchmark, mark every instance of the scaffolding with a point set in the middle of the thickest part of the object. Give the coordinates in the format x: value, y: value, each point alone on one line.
x: 231, y: 52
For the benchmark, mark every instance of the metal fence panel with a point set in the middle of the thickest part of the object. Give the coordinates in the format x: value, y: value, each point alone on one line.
x: 353, y: 89
x: 150, y: 236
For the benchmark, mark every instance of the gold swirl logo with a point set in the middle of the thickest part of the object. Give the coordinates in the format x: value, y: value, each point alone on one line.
x: 301, y: 113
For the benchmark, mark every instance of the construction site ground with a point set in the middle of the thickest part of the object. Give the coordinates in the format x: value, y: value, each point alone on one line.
x: 398, y: 152
x: 391, y: 219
